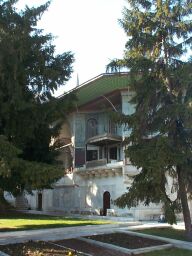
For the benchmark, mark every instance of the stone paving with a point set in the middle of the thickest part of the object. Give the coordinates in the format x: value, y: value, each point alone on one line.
x: 54, y: 234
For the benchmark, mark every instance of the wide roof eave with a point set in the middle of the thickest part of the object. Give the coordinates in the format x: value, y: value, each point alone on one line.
x: 91, y: 81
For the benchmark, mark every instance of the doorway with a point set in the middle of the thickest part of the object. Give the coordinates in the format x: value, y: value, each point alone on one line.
x: 40, y: 199
x: 106, y: 202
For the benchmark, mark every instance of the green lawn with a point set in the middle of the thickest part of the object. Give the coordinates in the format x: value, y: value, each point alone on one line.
x: 165, y: 232
x: 19, y: 221
x: 169, y: 233
x: 169, y: 252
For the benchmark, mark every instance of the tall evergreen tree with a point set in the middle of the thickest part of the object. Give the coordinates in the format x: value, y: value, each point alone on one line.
x: 160, y: 144
x: 30, y: 71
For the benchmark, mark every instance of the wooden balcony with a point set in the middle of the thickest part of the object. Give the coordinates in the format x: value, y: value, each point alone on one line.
x: 100, y: 168
x: 103, y: 139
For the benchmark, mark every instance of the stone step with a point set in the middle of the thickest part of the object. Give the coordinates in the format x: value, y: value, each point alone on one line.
x: 21, y: 203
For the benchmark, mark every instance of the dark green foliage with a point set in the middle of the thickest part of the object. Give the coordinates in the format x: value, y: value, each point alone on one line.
x: 160, y: 144
x: 30, y: 116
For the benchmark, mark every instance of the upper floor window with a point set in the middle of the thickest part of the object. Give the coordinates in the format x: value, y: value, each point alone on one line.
x: 92, y: 127
x: 112, y: 127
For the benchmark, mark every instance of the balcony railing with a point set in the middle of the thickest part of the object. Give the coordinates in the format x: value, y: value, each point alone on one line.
x: 96, y: 163
x: 99, y: 129
x: 103, y: 162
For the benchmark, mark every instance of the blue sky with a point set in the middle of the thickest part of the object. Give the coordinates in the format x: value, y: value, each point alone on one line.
x: 87, y: 28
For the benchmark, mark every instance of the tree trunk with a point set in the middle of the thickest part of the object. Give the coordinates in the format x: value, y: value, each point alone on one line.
x: 184, y: 203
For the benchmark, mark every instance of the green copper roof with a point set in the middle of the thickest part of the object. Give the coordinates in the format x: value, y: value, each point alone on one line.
x: 100, y: 85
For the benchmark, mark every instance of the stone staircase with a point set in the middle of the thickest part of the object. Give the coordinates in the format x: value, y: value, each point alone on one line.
x: 21, y: 203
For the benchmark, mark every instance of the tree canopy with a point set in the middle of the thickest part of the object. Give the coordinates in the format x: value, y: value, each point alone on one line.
x: 160, y: 144
x: 30, y: 71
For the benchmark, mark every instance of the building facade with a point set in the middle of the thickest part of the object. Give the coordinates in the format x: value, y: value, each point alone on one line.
x: 92, y: 152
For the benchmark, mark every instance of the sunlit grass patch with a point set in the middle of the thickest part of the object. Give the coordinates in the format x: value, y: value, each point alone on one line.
x: 168, y: 232
x: 21, y: 221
